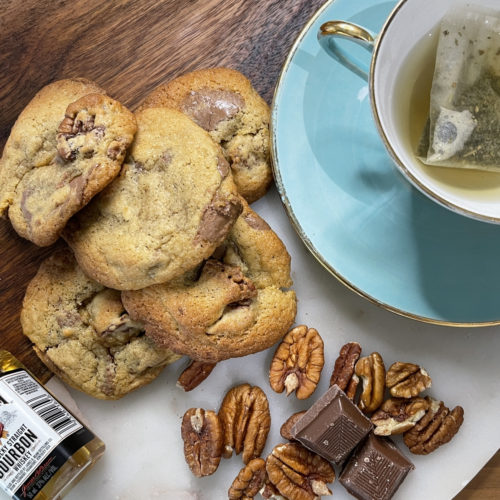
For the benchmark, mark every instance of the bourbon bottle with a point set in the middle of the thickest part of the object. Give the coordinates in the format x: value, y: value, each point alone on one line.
x: 44, y: 449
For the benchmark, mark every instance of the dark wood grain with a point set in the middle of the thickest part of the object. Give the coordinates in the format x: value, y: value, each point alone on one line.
x: 129, y: 47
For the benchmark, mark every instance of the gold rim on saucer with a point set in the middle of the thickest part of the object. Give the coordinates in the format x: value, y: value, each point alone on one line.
x: 284, y: 198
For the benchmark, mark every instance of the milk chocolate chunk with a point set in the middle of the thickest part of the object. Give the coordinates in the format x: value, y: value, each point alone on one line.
x: 332, y: 427
x: 218, y: 218
x: 376, y: 470
x: 208, y: 107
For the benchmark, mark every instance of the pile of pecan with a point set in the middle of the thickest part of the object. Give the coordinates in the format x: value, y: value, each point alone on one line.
x: 241, y: 425
x: 425, y: 423
x: 393, y: 398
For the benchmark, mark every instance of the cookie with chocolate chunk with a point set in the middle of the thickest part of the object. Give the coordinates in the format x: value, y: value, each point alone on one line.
x: 236, y: 304
x: 224, y: 103
x: 65, y: 147
x: 173, y: 203
x: 81, y: 331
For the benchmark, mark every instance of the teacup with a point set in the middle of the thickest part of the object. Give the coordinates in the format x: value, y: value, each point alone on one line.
x: 400, y: 77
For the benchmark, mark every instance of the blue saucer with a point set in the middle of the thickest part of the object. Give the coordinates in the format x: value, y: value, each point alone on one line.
x: 352, y: 208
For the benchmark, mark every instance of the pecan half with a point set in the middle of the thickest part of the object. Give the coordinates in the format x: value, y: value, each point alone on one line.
x: 437, y: 427
x: 398, y: 415
x: 194, y: 374
x: 297, y: 473
x: 406, y: 380
x: 246, y: 420
x: 76, y: 122
x: 344, y: 365
x: 78, y: 133
x: 297, y: 363
x: 286, y: 428
x: 371, y: 370
x: 249, y: 480
x: 202, y: 435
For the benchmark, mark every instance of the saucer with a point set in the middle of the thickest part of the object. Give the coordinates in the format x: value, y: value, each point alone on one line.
x: 353, y: 209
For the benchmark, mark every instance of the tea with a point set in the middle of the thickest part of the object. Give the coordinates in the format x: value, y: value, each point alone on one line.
x: 464, y: 106
x: 411, y: 104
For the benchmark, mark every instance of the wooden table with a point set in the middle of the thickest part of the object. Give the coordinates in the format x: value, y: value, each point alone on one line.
x: 117, y: 44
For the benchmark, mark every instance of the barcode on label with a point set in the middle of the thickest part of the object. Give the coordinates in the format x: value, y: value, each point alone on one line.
x: 41, y: 402
x: 54, y: 414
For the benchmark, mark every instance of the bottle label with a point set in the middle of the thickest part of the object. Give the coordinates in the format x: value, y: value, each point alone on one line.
x: 35, y: 430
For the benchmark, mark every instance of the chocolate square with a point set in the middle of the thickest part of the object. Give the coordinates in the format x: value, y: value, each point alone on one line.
x: 332, y: 427
x: 376, y: 470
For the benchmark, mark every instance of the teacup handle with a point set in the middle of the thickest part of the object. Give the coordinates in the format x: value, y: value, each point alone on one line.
x: 331, y: 30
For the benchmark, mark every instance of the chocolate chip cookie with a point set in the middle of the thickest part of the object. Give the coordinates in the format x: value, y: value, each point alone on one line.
x: 81, y: 331
x: 235, y: 304
x: 224, y: 103
x: 65, y: 147
x: 173, y: 203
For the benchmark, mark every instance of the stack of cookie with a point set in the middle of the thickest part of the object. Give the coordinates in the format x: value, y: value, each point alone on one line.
x: 166, y: 257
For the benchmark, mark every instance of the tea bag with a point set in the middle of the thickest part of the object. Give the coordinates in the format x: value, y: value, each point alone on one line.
x: 464, y: 119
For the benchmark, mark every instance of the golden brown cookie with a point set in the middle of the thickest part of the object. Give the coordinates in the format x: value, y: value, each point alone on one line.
x: 172, y: 204
x: 65, y: 147
x: 223, y: 102
x: 236, y: 304
x: 81, y: 331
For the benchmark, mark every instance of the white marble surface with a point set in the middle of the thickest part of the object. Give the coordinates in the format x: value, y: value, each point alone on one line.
x: 144, y: 457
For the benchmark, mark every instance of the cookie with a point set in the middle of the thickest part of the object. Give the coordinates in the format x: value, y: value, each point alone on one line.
x: 65, y: 147
x: 236, y: 304
x: 81, y: 331
x: 172, y: 204
x: 224, y: 103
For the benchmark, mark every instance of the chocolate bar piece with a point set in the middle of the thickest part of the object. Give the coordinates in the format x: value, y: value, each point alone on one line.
x: 376, y: 470
x: 332, y: 427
